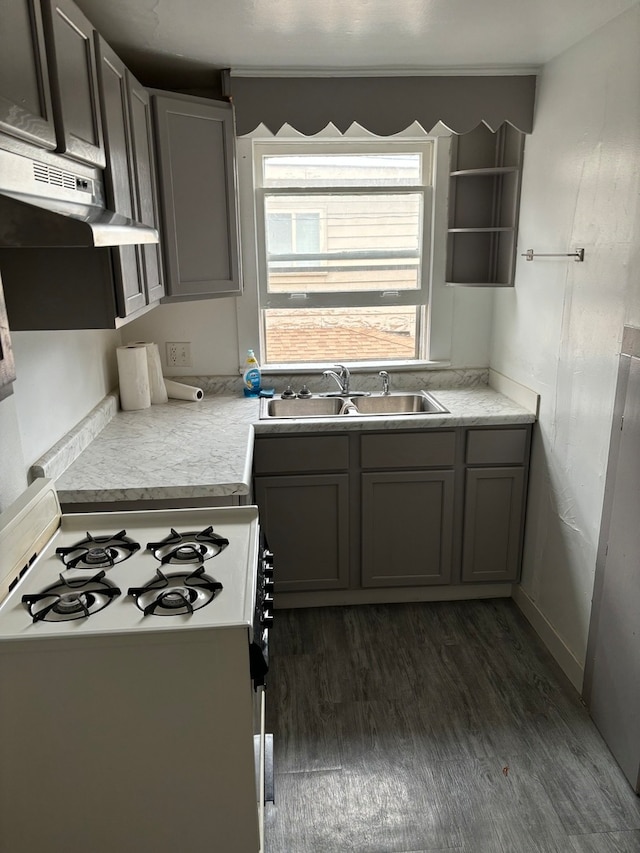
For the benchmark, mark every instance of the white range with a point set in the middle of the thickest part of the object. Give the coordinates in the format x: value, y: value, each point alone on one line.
x: 133, y: 656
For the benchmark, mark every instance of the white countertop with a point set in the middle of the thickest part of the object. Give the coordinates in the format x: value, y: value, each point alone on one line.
x: 188, y: 450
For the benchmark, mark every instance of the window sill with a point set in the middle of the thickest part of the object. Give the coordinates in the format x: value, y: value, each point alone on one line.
x: 360, y: 367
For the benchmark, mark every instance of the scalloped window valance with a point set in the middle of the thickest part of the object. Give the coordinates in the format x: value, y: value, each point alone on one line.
x: 381, y: 105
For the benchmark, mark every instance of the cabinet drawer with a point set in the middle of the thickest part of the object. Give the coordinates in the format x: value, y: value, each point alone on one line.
x: 301, y: 454
x: 432, y: 449
x: 497, y: 446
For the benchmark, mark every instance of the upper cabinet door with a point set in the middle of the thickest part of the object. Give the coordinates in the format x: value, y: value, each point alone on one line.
x: 25, y: 98
x: 198, y: 200
x: 144, y: 175
x: 119, y: 183
x: 74, y: 84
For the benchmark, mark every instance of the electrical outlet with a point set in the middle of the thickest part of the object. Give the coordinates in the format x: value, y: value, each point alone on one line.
x: 179, y: 354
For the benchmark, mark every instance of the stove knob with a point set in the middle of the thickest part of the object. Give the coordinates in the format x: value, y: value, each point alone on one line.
x: 267, y: 601
x: 267, y: 619
x: 267, y: 557
x: 269, y: 586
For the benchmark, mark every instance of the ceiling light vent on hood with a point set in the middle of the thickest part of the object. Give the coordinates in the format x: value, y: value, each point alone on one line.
x: 47, y: 205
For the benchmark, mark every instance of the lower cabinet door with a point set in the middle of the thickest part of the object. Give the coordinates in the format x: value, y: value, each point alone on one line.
x: 407, y: 528
x: 493, y: 522
x: 306, y: 522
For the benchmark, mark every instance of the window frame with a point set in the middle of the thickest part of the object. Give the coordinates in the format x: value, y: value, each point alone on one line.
x: 435, y: 317
x: 344, y: 299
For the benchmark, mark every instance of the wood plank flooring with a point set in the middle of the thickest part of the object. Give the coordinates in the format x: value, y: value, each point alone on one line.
x: 445, y: 726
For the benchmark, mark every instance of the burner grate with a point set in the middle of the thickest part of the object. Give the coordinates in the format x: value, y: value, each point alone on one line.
x: 98, y: 552
x: 180, y: 548
x: 71, y: 599
x: 176, y: 594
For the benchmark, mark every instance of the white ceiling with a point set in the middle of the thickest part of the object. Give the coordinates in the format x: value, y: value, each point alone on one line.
x: 384, y: 35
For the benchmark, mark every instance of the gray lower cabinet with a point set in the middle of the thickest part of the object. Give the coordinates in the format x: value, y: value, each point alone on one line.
x: 494, y: 501
x: 302, y: 489
x: 306, y: 519
x: 394, y: 509
x: 196, y: 161
x: 25, y: 98
x: 407, y: 528
x: 407, y: 507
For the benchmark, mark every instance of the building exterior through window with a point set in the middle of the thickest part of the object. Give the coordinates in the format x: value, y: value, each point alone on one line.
x: 343, y: 240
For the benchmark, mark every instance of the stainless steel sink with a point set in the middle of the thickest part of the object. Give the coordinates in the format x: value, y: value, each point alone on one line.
x: 314, y: 407
x: 421, y: 403
x: 399, y: 403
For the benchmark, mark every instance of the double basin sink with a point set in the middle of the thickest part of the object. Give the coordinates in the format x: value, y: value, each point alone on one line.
x: 398, y: 403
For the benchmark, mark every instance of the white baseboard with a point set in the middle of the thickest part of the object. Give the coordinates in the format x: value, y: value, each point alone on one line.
x: 564, y: 657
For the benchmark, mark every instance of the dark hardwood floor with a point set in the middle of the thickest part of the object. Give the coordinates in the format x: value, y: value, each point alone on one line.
x: 434, y: 727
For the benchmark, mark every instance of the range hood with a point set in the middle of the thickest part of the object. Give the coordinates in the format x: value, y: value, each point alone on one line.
x: 45, y: 205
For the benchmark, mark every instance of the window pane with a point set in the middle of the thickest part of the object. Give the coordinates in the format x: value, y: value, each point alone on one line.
x: 335, y: 334
x: 279, y: 233
x: 346, y: 170
x: 345, y: 243
x: 307, y: 232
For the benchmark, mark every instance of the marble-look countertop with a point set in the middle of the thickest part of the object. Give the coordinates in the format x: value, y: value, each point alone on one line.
x: 188, y: 450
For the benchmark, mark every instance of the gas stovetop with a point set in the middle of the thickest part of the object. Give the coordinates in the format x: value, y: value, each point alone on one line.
x: 138, y: 571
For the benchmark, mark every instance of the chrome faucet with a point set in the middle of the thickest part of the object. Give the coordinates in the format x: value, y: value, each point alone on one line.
x: 342, y: 378
x: 385, y: 381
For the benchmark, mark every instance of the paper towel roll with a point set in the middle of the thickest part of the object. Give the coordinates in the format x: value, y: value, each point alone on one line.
x: 156, y: 380
x: 178, y: 391
x: 133, y: 374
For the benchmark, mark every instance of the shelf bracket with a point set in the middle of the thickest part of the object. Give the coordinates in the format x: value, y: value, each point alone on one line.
x: 578, y: 255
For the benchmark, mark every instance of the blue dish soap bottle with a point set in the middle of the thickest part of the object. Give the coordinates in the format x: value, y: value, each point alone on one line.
x: 251, y: 375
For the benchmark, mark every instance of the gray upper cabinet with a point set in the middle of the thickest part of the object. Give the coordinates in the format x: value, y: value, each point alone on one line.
x: 195, y: 146
x: 484, y: 199
x: 120, y: 183
x: 129, y: 178
x: 144, y: 174
x: 25, y: 99
x: 98, y: 288
x: 74, y: 83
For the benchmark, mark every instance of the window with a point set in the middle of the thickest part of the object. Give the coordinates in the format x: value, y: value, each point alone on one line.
x: 295, y: 232
x: 343, y: 249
